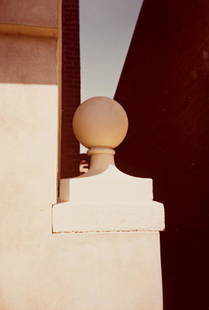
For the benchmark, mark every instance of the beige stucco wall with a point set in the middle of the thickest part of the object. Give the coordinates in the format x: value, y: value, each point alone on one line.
x: 28, y: 164
x: 40, y: 270
x: 29, y: 12
x: 59, y: 272
x: 25, y: 59
x: 29, y: 124
x: 83, y: 272
x: 29, y: 146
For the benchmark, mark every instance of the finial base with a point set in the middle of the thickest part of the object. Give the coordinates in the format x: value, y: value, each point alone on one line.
x: 101, y: 159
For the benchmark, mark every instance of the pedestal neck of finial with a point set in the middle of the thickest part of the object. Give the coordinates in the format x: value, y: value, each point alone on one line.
x: 101, y: 158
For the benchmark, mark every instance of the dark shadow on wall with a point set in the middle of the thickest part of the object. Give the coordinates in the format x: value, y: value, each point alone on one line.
x: 28, y: 60
x: 33, y: 12
x: 164, y: 88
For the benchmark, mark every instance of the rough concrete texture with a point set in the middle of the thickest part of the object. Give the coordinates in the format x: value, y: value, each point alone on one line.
x: 29, y: 12
x: 27, y: 60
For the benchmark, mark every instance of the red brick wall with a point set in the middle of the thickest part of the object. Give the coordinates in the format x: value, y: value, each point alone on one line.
x: 70, y: 86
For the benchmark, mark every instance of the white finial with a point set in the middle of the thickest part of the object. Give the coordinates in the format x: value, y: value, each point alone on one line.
x: 100, y: 124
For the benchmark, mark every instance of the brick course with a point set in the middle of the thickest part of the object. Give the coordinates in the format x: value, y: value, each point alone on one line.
x: 70, y: 86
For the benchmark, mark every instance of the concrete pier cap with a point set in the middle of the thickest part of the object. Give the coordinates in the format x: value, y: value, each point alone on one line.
x: 104, y: 198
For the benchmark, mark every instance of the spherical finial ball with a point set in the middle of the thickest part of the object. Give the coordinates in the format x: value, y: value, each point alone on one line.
x: 100, y: 122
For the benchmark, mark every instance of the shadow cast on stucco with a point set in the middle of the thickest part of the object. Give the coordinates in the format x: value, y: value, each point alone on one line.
x: 28, y: 60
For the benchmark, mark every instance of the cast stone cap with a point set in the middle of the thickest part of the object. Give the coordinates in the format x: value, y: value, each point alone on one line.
x: 100, y: 122
x: 104, y: 199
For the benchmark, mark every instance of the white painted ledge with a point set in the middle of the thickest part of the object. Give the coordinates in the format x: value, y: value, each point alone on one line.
x: 111, y: 201
x: 99, y: 217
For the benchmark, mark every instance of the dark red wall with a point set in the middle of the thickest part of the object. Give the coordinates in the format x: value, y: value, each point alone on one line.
x: 70, y: 86
x: 164, y: 87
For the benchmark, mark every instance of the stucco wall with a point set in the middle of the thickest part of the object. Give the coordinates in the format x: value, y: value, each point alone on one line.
x: 84, y: 272
x: 59, y: 272
x: 29, y: 12
x: 27, y: 60
x: 28, y: 164
x: 40, y: 270
x: 29, y: 131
